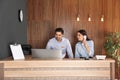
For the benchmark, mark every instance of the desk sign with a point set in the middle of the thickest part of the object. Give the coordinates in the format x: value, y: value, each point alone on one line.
x: 17, y: 52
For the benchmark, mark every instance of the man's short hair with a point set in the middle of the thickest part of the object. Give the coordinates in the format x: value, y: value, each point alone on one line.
x: 59, y: 30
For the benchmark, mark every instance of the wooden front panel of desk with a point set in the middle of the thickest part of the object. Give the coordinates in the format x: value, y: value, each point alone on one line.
x: 59, y: 70
x: 1, y: 71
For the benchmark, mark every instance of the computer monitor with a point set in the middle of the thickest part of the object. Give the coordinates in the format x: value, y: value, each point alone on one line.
x: 46, y: 54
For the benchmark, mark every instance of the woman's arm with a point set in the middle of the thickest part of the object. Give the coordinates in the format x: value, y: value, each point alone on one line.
x: 89, y: 47
x: 77, y: 55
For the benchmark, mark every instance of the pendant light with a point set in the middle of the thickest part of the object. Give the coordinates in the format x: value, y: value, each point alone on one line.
x: 89, y: 18
x: 102, y: 16
x: 78, y: 16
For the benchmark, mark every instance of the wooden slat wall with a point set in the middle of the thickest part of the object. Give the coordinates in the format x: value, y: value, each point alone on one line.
x: 112, y: 16
x: 49, y: 14
x: 38, y: 33
x: 44, y: 16
x: 62, y: 13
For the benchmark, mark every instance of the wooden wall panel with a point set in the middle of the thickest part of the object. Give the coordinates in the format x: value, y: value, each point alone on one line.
x: 45, y: 15
x: 112, y: 22
x: 38, y: 34
x: 63, y: 13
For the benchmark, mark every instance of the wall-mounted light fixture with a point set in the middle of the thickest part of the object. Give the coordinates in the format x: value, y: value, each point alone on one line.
x: 89, y: 18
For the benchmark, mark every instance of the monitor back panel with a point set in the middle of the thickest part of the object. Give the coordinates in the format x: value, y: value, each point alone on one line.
x: 46, y: 54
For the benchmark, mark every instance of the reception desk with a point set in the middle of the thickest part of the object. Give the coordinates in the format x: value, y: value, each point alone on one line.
x: 66, y: 69
x: 1, y: 71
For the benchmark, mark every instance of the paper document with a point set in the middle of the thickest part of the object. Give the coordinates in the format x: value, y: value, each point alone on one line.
x: 17, y: 52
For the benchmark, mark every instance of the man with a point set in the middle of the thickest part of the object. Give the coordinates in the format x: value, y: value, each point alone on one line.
x: 60, y: 42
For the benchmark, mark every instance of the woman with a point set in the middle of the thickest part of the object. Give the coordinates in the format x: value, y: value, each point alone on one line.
x: 85, y: 46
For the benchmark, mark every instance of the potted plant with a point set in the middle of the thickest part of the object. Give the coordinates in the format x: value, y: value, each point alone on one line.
x: 112, y: 47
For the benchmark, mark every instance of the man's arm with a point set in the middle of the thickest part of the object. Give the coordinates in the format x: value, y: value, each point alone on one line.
x: 69, y: 50
x: 48, y: 45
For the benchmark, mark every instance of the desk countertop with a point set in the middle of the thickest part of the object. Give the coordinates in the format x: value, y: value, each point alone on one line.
x: 29, y: 58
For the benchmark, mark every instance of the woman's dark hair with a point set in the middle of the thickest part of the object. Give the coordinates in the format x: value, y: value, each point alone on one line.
x: 59, y: 30
x: 83, y: 32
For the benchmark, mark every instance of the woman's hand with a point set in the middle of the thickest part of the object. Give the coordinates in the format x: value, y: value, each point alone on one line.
x: 86, y: 45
